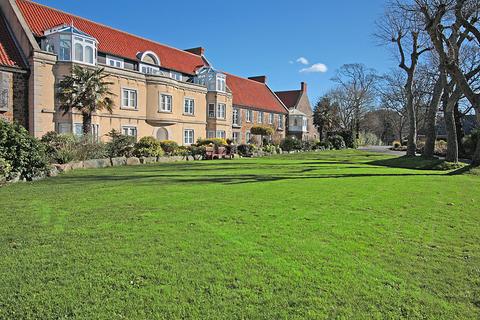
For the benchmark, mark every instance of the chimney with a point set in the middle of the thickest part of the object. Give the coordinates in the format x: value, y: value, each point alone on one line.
x: 261, y: 79
x: 199, y: 51
x: 303, y: 86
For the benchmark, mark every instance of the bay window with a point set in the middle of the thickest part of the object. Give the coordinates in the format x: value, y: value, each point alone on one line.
x: 221, y: 110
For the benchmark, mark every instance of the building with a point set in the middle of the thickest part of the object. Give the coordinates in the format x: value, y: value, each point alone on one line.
x: 13, y: 78
x: 159, y: 90
x: 300, y: 113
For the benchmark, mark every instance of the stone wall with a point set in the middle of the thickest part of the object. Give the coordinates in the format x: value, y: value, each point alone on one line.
x: 14, y: 96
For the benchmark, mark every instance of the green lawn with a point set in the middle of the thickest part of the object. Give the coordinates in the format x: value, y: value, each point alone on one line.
x: 326, y: 235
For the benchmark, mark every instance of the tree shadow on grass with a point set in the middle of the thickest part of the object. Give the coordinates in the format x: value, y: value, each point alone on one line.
x: 172, y: 179
x: 406, y: 162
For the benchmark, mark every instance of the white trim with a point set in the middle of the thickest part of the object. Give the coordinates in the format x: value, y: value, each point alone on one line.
x: 148, y: 52
x: 128, y: 107
x: 187, y: 140
x: 160, y: 102
x: 192, y: 107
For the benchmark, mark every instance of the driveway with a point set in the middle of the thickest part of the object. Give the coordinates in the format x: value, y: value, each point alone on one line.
x: 382, y: 149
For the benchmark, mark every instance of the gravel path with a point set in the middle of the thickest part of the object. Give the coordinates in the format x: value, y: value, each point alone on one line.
x: 382, y: 149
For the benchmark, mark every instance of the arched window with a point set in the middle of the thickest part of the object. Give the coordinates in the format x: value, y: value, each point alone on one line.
x: 89, y: 54
x: 78, y: 52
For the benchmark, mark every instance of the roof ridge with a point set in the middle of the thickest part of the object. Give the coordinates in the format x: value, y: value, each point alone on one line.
x: 109, y: 27
x: 234, y: 75
x: 288, y: 91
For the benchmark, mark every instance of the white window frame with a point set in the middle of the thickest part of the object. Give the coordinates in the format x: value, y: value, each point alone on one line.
x: 211, y: 114
x: 280, y: 121
x: 189, y: 106
x: 83, y: 43
x: 163, y: 105
x: 221, y: 83
x: 77, y: 129
x: 221, y: 111
x: 130, y: 131
x: 126, y: 95
x: 271, y: 118
x: 236, y: 136
x: 248, y: 136
x: 188, y: 136
x: 148, y: 69
x: 236, y: 117
x: 221, y: 134
x: 115, y: 62
x: 249, y: 116
x: 260, y: 117
x: 176, y: 75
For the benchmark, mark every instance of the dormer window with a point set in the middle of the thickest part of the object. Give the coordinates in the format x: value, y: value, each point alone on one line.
x: 115, y: 62
x: 71, y: 44
x: 149, y: 62
x: 176, y: 75
x: 214, y: 80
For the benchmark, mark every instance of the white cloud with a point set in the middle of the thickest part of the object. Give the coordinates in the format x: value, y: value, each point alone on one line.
x: 303, y: 60
x: 317, y: 67
x: 291, y: 62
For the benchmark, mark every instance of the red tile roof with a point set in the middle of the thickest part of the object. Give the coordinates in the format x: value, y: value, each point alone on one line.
x: 253, y: 94
x: 289, y: 98
x: 9, y: 53
x: 40, y: 18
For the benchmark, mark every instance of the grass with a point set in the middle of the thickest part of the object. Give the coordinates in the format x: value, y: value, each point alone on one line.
x: 326, y: 235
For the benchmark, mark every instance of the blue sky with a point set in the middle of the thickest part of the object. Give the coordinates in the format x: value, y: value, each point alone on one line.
x: 255, y: 37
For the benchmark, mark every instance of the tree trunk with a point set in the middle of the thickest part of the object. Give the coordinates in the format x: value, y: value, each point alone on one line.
x: 431, y: 121
x: 452, y: 142
x: 87, y: 123
x: 412, y: 130
x: 459, y: 128
x: 476, y: 155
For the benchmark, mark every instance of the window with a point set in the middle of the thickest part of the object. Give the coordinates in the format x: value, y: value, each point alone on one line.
x: 149, y: 69
x: 188, y: 136
x: 211, y: 110
x: 115, y: 62
x: 129, y: 131
x: 89, y: 55
x: 78, y: 52
x: 129, y: 98
x: 280, y: 121
x: 305, y: 122
x: 236, y: 117
x: 165, y: 103
x: 221, y: 134
x: 236, y: 137
x: 260, y: 117
x: 270, y: 118
x: 249, y: 116
x: 248, y: 137
x: 78, y: 129
x: 221, y: 85
x: 189, y: 106
x: 176, y: 75
x: 221, y: 110
x: 65, y: 53
x: 210, y: 134
x: 64, y: 128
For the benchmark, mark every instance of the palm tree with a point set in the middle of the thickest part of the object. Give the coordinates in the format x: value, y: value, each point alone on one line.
x: 87, y: 92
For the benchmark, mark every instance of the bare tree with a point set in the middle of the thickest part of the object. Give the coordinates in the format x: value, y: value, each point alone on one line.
x: 357, y: 85
x: 391, y: 92
x: 452, y: 25
x: 401, y: 28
